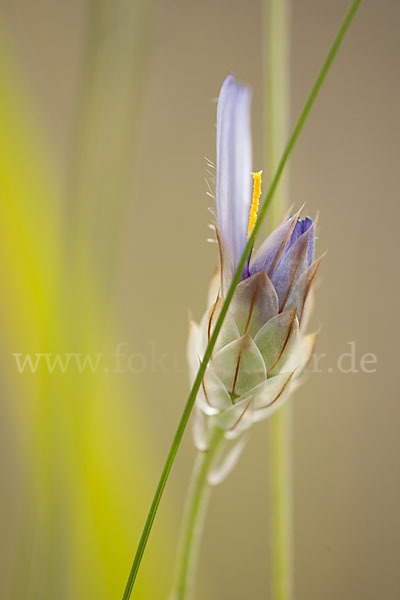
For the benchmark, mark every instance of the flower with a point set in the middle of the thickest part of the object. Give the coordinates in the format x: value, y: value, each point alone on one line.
x: 261, y: 349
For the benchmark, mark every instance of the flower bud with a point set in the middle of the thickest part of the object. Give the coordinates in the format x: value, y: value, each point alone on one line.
x: 261, y: 349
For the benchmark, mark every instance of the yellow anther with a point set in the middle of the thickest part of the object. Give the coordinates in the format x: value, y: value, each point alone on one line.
x: 256, y: 200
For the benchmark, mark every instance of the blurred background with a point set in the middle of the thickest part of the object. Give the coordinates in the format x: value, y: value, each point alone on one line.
x: 107, y: 110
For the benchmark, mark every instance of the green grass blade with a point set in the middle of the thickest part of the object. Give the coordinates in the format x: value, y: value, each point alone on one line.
x: 236, y: 279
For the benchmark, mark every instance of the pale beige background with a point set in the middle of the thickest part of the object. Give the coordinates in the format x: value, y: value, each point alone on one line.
x: 346, y: 426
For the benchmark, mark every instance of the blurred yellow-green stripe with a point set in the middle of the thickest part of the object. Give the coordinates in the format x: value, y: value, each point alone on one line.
x: 71, y: 439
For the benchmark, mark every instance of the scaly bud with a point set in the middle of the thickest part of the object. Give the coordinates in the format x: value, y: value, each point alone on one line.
x: 261, y: 349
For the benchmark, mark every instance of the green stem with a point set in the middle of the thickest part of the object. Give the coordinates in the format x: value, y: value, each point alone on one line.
x: 277, y: 107
x: 281, y: 503
x: 277, y: 95
x: 193, y: 520
x: 224, y: 309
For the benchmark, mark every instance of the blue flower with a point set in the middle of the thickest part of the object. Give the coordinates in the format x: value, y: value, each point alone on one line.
x: 262, y: 347
x: 288, y: 253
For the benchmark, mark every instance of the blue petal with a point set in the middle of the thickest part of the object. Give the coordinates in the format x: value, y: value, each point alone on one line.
x: 272, y: 247
x: 303, y: 225
x: 292, y: 263
x: 234, y: 164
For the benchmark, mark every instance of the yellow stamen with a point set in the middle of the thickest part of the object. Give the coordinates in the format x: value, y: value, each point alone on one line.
x: 256, y: 200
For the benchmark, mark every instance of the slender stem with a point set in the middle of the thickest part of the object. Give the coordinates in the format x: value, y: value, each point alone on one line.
x: 235, y: 280
x: 277, y: 107
x: 281, y: 503
x: 277, y: 96
x: 193, y: 520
